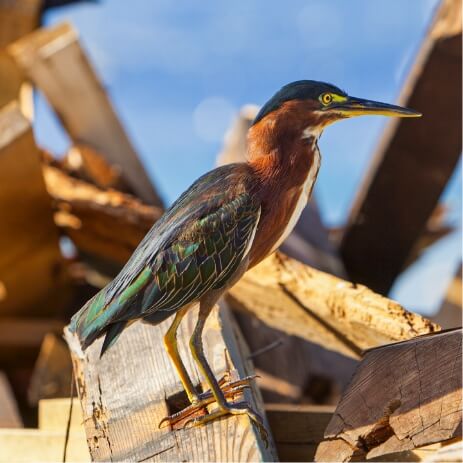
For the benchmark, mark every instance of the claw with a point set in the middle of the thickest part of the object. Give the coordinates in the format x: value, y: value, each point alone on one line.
x: 230, y: 391
x: 241, y: 408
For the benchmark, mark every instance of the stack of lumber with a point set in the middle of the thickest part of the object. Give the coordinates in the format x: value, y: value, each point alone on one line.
x: 344, y: 372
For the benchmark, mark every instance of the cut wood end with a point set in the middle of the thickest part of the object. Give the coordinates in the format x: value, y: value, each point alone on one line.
x: 73, y: 343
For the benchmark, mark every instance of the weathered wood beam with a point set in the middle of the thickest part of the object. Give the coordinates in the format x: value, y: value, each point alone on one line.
x: 54, y: 61
x: 32, y: 259
x: 322, y: 308
x: 105, y: 223
x: 413, y: 162
x: 402, y: 396
x: 125, y: 394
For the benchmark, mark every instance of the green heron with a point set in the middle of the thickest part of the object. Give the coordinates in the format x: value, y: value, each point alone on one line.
x: 229, y: 220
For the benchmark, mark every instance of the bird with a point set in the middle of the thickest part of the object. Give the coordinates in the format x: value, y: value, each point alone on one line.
x: 225, y: 223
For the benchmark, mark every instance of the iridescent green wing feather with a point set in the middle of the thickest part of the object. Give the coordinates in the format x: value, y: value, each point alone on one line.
x: 205, y: 256
x: 195, y: 246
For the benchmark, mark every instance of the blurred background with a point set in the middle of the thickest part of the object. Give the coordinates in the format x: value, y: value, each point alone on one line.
x: 110, y: 109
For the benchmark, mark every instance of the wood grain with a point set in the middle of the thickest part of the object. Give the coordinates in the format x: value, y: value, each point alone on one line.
x: 403, y: 396
x: 123, y: 396
x: 322, y: 308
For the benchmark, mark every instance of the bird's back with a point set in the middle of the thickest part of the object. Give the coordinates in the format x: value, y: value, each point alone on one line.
x: 195, y: 245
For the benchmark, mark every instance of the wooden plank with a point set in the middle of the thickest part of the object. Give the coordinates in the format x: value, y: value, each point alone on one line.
x: 402, y: 396
x: 125, y: 395
x: 90, y: 215
x: 413, y: 162
x: 54, y: 415
x: 322, y: 308
x: 9, y: 414
x: 30, y: 260
x: 52, y: 371
x: 26, y: 445
x: 54, y: 61
x: 298, y: 429
x: 18, y: 18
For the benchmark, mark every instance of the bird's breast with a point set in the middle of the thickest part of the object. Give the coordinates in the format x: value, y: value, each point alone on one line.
x: 281, y: 212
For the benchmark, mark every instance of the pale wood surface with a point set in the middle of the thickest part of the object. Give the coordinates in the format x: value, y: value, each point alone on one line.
x: 54, y: 61
x: 402, y: 396
x: 32, y: 259
x: 90, y: 215
x: 35, y: 445
x: 123, y: 396
x: 54, y: 414
x: 322, y: 308
x: 9, y: 414
x: 52, y: 371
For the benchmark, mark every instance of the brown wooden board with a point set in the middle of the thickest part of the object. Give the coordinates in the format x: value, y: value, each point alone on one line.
x: 413, y: 163
x: 402, y: 396
x: 33, y: 277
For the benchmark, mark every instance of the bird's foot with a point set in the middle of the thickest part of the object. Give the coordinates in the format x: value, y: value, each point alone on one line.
x: 241, y: 408
x: 198, y: 407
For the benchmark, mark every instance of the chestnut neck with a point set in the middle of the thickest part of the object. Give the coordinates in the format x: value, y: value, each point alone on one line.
x: 281, y: 148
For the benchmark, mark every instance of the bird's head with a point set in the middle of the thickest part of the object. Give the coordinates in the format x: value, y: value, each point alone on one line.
x: 310, y: 106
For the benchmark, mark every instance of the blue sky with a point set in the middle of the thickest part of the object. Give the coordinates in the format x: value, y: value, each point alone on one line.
x: 177, y: 73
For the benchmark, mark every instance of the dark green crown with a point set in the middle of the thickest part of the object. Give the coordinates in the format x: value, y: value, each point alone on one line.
x: 299, y: 90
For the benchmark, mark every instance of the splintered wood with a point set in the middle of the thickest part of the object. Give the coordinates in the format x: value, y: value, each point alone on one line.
x: 126, y: 394
x: 324, y: 309
x: 403, y: 396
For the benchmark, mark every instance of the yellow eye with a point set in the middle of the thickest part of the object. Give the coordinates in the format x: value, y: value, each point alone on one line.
x: 326, y: 98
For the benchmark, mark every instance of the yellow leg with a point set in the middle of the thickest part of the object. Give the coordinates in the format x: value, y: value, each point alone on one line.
x: 170, y: 343
x: 224, y: 408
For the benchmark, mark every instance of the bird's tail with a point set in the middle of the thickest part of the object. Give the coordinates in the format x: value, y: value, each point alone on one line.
x: 90, y: 322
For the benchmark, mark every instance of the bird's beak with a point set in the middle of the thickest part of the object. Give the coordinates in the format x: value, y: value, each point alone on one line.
x: 352, y: 107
